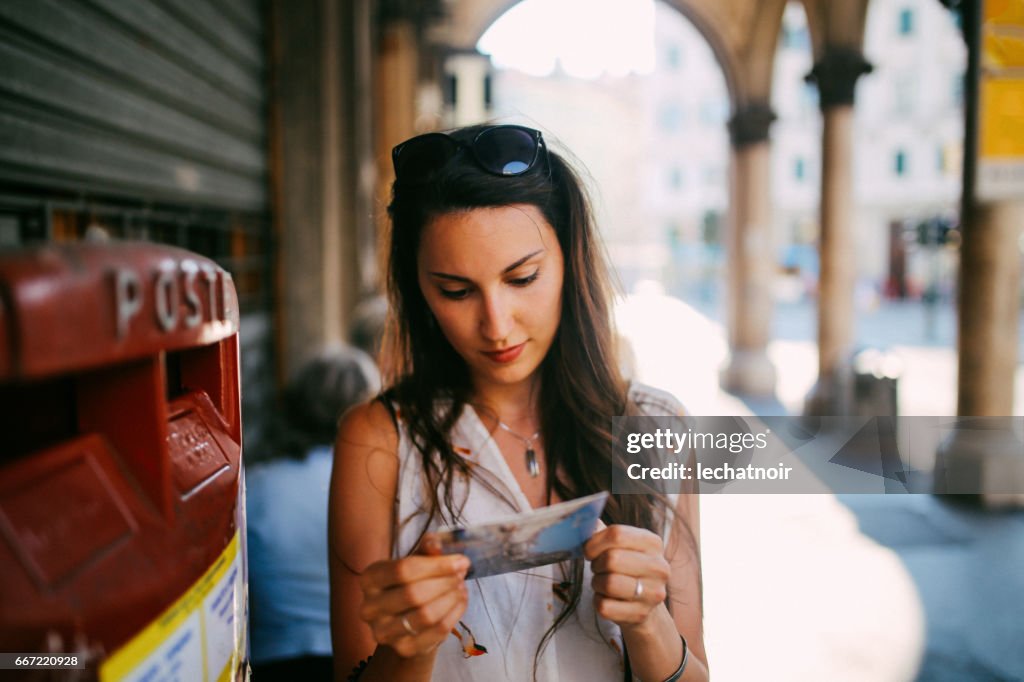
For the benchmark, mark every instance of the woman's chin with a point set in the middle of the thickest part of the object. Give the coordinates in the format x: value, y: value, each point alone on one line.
x: 514, y: 373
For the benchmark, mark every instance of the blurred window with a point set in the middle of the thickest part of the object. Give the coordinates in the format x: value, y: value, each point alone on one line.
x: 906, y: 22
x: 710, y: 230
x: 957, y: 15
x: 675, y: 234
x: 900, y: 162
x: 674, y: 57
x: 950, y: 158
x: 808, y: 98
x: 795, y: 36
x: 675, y: 178
x: 713, y: 112
x: 672, y: 116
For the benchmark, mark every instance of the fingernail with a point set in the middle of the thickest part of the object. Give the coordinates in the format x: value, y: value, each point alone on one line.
x: 431, y: 545
x: 461, y: 565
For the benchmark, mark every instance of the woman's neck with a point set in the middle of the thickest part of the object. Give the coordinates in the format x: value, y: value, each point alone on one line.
x: 510, y: 403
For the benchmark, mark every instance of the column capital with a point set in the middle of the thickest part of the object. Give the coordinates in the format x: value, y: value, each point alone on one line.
x: 836, y: 74
x: 750, y: 124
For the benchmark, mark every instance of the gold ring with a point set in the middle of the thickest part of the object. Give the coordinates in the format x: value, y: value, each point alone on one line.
x: 408, y: 628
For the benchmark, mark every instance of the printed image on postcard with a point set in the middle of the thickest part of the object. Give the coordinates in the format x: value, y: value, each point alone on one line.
x: 536, y: 538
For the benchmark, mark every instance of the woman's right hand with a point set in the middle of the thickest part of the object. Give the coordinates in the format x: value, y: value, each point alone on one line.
x: 411, y: 604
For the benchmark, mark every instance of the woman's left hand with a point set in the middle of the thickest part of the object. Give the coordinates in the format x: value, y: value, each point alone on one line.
x: 630, y: 573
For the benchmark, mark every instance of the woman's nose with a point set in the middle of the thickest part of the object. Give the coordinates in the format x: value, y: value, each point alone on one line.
x: 496, y: 317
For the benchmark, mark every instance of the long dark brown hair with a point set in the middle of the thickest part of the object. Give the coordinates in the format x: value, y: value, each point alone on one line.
x: 581, y: 387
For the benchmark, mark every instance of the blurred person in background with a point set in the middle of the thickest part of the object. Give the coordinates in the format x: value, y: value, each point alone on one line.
x: 287, y: 518
x: 368, y: 321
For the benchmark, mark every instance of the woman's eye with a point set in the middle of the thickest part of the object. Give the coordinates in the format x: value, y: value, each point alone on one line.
x: 524, y: 281
x: 455, y: 294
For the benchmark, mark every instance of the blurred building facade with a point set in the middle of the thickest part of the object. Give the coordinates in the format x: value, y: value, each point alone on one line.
x: 665, y: 220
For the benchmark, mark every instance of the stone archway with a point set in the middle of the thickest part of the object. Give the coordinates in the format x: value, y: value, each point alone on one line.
x: 742, y: 36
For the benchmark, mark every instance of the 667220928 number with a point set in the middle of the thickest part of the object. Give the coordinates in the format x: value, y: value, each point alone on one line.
x: 40, y: 661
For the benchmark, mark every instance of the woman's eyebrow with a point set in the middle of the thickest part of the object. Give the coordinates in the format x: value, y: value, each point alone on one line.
x: 521, y: 261
x: 510, y: 268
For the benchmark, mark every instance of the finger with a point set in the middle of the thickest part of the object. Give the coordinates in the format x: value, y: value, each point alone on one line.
x: 447, y: 623
x: 430, y: 638
x: 627, y: 537
x: 599, y: 530
x: 632, y: 563
x: 426, y: 617
x: 401, y: 598
x: 430, y: 545
x: 624, y: 588
x: 385, y: 574
x: 622, y: 612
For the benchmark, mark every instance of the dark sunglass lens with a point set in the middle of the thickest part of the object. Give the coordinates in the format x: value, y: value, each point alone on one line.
x: 424, y: 155
x: 506, y: 151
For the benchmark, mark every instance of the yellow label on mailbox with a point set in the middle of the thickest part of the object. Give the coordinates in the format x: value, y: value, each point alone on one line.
x: 201, y: 636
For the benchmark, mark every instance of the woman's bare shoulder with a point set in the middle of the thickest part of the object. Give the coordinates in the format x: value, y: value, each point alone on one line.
x: 366, y: 450
x: 369, y: 426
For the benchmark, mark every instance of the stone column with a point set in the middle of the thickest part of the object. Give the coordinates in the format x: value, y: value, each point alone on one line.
x: 836, y: 75
x: 989, y: 309
x: 750, y: 255
x: 395, y: 79
x: 985, y: 457
x: 315, y: 132
x: 362, y: 163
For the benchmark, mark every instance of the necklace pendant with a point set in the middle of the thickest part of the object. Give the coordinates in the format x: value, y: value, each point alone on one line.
x: 531, y: 463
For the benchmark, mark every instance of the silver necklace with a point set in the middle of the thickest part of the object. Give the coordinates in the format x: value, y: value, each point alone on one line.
x: 531, y: 454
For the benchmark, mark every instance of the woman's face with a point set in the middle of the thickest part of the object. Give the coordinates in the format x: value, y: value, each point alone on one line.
x: 493, y: 279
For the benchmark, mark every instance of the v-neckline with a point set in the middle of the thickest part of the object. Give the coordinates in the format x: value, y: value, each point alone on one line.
x: 491, y: 445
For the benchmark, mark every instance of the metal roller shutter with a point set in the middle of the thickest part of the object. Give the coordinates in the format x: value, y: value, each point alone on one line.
x: 156, y: 100
x: 146, y: 119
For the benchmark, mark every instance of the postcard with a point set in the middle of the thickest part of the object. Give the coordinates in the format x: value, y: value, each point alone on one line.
x: 535, y: 538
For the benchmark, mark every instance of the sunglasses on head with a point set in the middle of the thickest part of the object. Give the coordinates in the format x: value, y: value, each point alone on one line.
x: 499, y: 150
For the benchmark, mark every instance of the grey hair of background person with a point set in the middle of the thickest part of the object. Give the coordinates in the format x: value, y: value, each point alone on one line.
x: 317, y: 395
x: 368, y: 320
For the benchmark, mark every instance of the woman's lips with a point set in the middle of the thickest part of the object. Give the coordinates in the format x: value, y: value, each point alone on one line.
x: 506, y: 355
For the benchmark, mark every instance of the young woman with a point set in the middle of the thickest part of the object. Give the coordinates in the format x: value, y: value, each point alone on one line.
x: 503, y: 383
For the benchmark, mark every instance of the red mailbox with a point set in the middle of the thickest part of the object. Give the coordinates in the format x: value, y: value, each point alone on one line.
x: 122, y: 515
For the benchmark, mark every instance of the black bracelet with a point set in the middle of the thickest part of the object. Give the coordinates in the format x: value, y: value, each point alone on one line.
x: 674, y: 677
x: 357, y: 671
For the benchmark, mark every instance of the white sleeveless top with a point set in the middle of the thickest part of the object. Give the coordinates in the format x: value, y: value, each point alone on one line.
x: 498, y: 635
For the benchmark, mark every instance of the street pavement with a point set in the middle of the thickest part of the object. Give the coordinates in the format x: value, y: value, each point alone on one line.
x: 848, y: 587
